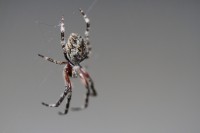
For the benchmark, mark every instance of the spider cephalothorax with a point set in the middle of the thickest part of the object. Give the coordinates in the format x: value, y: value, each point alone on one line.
x: 75, y: 50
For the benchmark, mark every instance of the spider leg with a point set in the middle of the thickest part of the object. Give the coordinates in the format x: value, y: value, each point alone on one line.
x: 67, y: 105
x: 90, y: 81
x: 67, y: 90
x: 63, y: 95
x: 52, y: 60
x: 87, y: 21
x: 84, y: 80
x: 66, y: 73
x: 62, y: 30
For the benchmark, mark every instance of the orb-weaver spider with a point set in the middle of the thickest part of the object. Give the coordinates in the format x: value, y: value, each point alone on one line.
x: 75, y: 50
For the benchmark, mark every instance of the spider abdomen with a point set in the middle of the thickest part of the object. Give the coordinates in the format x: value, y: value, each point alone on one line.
x: 76, y: 48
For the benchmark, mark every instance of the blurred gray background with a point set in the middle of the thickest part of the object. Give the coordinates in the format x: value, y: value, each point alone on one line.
x: 145, y: 64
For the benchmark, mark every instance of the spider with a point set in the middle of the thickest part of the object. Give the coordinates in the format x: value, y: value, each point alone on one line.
x: 75, y: 50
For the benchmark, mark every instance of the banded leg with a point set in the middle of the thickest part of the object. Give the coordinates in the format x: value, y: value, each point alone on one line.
x: 83, y: 78
x: 62, y: 97
x: 87, y: 21
x: 62, y: 30
x: 66, y: 74
x: 52, y: 60
x: 90, y: 81
x: 67, y: 105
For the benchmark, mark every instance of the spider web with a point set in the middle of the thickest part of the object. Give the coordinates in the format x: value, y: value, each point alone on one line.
x: 91, y: 6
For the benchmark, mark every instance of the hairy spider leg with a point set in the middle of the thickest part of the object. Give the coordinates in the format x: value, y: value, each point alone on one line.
x: 85, y: 82
x: 62, y: 96
x: 52, y: 60
x: 87, y: 21
x: 66, y: 74
x: 90, y: 81
x: 68, y: 89
x: 62, y: 41
x: 62, y: 30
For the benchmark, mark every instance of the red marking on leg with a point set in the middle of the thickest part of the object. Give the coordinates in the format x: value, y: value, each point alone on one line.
x: 85, y: 73
x: 83, y: 79
x: 66, y: 73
